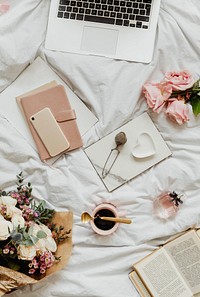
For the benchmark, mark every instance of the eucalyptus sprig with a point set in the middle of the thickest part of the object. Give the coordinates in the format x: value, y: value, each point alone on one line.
x: 45, y: 215
x: 25, y: 236
x: 25, y: 189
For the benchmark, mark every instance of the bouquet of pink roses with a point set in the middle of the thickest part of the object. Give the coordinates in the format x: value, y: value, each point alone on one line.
x: 30, y: 236
x: 173, y: 94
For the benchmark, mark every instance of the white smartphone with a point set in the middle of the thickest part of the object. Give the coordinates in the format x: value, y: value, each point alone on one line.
x: 49, y: 132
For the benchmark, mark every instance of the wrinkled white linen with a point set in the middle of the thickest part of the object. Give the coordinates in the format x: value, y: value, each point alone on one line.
x: 99, y: 266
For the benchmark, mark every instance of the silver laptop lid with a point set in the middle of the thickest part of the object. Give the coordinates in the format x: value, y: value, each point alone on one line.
x: 120, y: 29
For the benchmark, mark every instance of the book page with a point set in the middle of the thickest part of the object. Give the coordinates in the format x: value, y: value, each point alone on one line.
x: 136, y: 280
x: 161, y: 277
x: 185, y: 253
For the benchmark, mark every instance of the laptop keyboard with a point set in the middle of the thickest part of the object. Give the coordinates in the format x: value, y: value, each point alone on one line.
x: 130, y: 13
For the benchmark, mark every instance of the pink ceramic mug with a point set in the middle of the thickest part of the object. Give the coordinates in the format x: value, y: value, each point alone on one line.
x: 103, y: 227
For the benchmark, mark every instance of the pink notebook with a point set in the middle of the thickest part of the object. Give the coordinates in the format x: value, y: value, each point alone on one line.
x: 56, y: 99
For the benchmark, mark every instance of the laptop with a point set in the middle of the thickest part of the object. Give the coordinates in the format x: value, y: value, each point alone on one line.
x: 119, y: 29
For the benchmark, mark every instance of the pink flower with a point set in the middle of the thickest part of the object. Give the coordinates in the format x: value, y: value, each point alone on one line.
x: 31, y: 271
x: 42, y: 270
x: 157, y: 94
x: 4, y: 6
x: 6, y: 251
x: 177, y: 111
x: 180, y: 80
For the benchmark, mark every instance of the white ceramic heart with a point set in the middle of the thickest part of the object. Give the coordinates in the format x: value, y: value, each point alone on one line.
x: 144, y: 147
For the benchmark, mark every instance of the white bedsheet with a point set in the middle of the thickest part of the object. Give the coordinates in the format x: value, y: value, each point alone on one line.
x: 99, y: 266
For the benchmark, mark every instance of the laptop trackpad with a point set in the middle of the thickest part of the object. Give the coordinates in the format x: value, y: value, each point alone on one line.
x: 99, y: 40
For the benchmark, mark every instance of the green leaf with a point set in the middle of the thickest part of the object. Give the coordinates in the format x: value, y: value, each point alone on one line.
x: 27, y: 242
x: 25, y: 235
x: 30, y: 231
x: 42, y: 204
x: 196, y: 85
x: 195, y: 102
x: 34, y: 239
x: 41, y: 234
x: 17, y: 237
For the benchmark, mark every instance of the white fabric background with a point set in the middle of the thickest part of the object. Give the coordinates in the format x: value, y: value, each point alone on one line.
x: 99, y: 266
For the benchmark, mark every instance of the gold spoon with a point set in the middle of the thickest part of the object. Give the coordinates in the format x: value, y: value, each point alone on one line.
x: 86, y: 217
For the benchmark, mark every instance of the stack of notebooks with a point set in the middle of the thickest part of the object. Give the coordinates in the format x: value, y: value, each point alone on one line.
x: 51, y: 120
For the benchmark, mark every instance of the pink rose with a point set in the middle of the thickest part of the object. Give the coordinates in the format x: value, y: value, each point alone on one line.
x: 177, y: 111
x: 180, y: 80
x: 4, y: 6
x: 157, y: 94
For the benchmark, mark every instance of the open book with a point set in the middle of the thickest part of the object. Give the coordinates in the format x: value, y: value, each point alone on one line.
x: 172, y: 270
